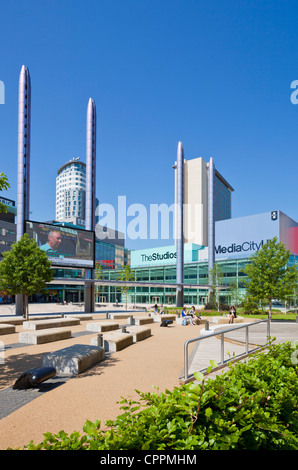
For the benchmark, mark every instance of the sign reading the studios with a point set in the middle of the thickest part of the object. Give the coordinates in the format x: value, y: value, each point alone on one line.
x: 234, y: 248
x: 159, y: 256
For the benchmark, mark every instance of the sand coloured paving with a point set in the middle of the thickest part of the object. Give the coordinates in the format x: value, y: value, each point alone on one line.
x: 156, y: 361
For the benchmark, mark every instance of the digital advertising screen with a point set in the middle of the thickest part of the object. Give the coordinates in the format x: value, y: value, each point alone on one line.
x: 65, y: 246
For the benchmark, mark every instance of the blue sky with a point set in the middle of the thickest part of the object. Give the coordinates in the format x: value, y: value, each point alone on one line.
x: 215, y: 75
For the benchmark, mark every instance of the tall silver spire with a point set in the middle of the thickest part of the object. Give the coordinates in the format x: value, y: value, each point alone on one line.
x: 23, y: 181
x: 24, y: 129
x: 90, y: 195
x: 180, y: 225
x: 91, y: 165
x: 211, y: 222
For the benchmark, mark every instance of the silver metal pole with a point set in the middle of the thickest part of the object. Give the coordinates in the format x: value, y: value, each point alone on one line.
x: 246, y: 339
x: 23, y: 176
x: 180, y: 228
x: 222, y: 348
x: 90, y: 194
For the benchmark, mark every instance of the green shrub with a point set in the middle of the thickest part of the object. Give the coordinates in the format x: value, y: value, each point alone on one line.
x: 254, y: 405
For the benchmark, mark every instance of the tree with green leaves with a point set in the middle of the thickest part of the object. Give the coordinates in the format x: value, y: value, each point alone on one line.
x: 126, y: 274
x: 215, y: 279
x: 97, y: 275
x: 25, y: 269
x: 4, y: 185
x: 269, y: 275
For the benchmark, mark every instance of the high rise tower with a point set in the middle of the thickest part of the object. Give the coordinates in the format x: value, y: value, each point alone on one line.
x: 71, y: 192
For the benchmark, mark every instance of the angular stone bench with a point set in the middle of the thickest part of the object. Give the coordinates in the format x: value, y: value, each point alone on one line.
x: 166, y: 316
x: 179, y: 321
x: 115, y: 341
x: 6, y: 329
x: 74, y: 359
x: 102, y: 326
x: 11, y: 320
x: 82, y: 316
x: 139, y: 332
x: 44, y: 336
x: 224, y: 319
x: 53, y: 323
x: 119, y: 316
x: 143, y: 320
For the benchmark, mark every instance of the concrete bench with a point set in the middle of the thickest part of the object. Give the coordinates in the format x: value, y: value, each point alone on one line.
x: 102, y: 326
x: 82, y: 316
x: 46, y: 324
x: 119, y: 316
x: 179, y: 321
x: 12, y: 320
x: 139, y: 332
x: 143, y: 320
x: 224, y: 319
x: 167, y: 316
x: 74, y: 359
x: 6, y: 329
x: 44, y: 336
x: 115, y: 341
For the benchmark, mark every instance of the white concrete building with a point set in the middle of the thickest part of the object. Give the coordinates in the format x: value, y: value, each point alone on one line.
x: 71, y: 191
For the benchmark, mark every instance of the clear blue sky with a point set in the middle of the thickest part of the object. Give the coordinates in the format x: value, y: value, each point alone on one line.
x: 214, y: 74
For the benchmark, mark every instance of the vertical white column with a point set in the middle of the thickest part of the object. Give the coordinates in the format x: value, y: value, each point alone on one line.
x: 90, y: 194
x: 180, y: 225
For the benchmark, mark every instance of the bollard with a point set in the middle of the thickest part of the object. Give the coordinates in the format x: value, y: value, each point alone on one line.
x: 207, y: 325
x: 62, y: 315
x: 100, y: 340
x: 123, y: 329
x: 131, y: 321
x: 107, y: 314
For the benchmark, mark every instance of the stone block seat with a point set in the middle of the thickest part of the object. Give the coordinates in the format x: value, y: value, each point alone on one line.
x: 139, y: 333
x: 222, y: 320
x: 44, y: 336
x: 102, y: 326
x: 179, y: 321
x: 119, y: 316
x: 115, y: 341
x: 80, y: 316
x: 166, y: 316
x: 6, y: 329
x: 50, y: 323
x: 143, y: 320
x: 74, y: 359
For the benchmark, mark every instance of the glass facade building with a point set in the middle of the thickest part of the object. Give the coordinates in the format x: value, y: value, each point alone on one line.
x: 235, y: 241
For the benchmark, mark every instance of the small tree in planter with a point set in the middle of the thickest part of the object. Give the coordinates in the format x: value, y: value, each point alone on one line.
x: 269, y: 275
x: 127, y: 274
x: 25, y: 269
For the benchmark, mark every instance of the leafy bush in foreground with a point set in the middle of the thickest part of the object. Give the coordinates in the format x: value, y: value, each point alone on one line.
x: 251, y: 406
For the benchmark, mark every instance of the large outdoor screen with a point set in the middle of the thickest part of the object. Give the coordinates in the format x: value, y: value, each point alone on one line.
x: 65, y: 246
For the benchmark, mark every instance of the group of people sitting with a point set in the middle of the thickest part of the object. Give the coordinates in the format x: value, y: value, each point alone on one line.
x: 192, y: 316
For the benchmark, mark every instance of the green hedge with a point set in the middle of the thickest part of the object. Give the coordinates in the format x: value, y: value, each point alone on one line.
x: 253, y: 405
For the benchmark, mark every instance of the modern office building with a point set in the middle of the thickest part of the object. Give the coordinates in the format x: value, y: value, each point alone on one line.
x: 71, y: 192
x: 196, y: 191
x: 235, y: 241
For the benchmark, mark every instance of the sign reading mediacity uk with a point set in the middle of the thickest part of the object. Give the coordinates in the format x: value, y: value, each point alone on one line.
x: 65, y: 246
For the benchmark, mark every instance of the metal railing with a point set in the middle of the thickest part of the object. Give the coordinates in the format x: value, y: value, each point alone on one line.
x: 222, y: 333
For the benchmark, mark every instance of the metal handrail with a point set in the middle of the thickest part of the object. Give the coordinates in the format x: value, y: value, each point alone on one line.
x: 222, y: 333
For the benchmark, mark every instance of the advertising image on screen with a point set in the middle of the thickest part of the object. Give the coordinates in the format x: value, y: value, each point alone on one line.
x: 65, y: 246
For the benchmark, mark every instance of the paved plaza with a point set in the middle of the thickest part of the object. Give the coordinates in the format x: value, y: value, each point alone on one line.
x: 65, y: 402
